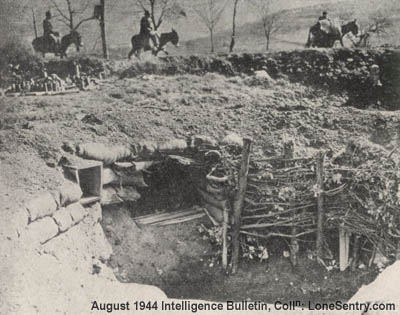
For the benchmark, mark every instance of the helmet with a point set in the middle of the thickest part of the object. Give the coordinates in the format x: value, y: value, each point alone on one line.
x: 324, y: 13
x: 48, y: 14
x: 146, y: 13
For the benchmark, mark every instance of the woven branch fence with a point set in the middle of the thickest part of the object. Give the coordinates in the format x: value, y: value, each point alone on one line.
x: 298, y: 199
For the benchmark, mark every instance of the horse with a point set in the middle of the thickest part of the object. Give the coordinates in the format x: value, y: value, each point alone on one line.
x: 140, y: 44
x: 324, y: 34
x: 42, y: 45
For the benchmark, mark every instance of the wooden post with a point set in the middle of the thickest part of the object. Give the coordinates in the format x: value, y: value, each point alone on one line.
x: 239, y: 201
x: 103, y: 29
x: 356, y: 252
x: 288, y: 152
x: 320, y: 203
x: 398, y: 251
x: 344, y: 241
x: 77, y: 71
x: 235, y: 4
x: 34, y: 22
x: 225, y: 225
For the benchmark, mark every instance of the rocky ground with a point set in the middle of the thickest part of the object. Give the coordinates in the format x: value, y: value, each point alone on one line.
x: 156, y: 107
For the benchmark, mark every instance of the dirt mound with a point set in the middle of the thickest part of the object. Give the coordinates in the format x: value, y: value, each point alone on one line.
x: 17, y: 63
x: 339, y: 70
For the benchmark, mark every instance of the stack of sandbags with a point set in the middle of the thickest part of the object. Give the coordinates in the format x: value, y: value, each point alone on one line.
x: 151, y: 149
x: 100, y: 152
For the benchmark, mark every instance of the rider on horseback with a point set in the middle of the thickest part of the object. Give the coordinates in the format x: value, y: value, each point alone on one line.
x: 51, y: 37
x: 147, y: 31
x: 324, y: 16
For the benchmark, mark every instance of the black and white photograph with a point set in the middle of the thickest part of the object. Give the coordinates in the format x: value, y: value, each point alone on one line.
x: 199, y: 157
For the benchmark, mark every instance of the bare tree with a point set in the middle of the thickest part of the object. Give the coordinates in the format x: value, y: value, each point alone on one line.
x: 101, y: 18
x: 235, y: 6
x: 160, y: 10
x: 271, y: 20
x: 379, y: 22
x: 70, y: 10
x: 210, y: 12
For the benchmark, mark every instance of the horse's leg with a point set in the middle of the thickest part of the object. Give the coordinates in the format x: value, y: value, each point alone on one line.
x: 138, y: 52
x: 308, y: 44
x: 131, y: 53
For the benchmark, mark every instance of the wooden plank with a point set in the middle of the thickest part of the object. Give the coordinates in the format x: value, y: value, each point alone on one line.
x: 213, y: 221
x: 320, y: 203
x: 13, y: 94
x: 151, y: 219
x: 181, y: 219
x: 239, y: 201
x: 165, y: 214
x: 344, y: 242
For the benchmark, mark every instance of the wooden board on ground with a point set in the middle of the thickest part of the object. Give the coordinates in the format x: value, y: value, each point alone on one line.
x: 171, y: 217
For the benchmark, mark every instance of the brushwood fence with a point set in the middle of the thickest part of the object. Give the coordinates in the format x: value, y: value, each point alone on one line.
x: 303, y: 199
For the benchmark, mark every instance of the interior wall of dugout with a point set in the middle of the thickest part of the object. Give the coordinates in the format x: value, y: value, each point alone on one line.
x: 169, y: 186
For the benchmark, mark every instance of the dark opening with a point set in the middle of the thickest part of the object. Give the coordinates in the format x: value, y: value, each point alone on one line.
x: 171, y: 186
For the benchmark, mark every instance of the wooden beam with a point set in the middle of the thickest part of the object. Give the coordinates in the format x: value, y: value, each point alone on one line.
x: 225, y: 225
x: 288, y: 152
x: 239, y: 201
x: 320, y: 203
x: 344, y: 241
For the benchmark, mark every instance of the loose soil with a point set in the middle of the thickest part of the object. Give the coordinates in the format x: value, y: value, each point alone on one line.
x: 152, y: 107
x: 177, y: 259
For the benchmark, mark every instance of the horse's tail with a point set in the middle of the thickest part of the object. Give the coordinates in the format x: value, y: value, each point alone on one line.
x: 135, y: 40
x: 37, y: 44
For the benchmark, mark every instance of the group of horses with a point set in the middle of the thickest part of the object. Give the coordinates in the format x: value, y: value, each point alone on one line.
x: 324, y: 34
x: 139, y: 42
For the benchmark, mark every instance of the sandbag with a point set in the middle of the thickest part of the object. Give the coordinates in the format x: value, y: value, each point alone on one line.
x: 128, y: 194
x: 109, y: 196
x: 95, y: 214
x: 70, y: 192
x: 233, y: 139
x: 203, y: 141
x: 215, y: 212
x: 42, y: 230
x: 146, y: 149
x: 41, y: 206
x: 175, y: 145
x: 134, y: 179
x: 100, y: 152
x: 77, y: 212
x: 109, y: 176
x: 124, y: 176
x: 63, y: 219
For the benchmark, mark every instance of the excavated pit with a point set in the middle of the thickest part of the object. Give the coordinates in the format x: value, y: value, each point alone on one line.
x: 180, y: 260
x: 177, y: 259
